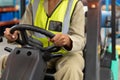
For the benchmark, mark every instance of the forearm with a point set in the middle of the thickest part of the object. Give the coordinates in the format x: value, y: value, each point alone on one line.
x: 77, y: 28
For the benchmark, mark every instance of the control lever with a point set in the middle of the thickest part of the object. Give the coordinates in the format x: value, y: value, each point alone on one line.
x: 8, y: 49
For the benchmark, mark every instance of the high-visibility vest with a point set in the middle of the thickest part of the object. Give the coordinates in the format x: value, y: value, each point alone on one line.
x: 57, y: 22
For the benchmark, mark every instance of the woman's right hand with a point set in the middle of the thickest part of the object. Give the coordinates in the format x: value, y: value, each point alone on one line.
x: 10, y: 37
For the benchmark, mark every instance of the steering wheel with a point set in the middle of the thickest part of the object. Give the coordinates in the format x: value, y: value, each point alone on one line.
x: 27, y: 40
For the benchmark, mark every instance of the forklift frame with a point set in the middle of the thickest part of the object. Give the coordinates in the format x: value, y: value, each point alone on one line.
x: 92, y: 28
x: 92, y: 60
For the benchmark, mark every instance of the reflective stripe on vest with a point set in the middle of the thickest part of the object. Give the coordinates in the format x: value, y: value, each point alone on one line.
x: 66, y: 22
x: 42, y: 20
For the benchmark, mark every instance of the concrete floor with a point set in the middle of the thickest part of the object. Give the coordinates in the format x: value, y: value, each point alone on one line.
x: 4, y: 44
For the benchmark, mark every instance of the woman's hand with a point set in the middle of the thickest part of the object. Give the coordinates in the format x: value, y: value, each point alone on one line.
x: 10, y: 37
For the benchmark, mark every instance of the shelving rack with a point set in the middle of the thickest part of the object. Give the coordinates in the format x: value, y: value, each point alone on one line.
x: 7, y: 10
x: 9, y: 14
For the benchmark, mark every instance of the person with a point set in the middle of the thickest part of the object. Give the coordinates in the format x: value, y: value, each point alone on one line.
x: 51, y: 15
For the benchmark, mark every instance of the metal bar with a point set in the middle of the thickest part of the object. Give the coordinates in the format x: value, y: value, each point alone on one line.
x: 113, y: 30
x: 22, y: 7
x: 92, y: 69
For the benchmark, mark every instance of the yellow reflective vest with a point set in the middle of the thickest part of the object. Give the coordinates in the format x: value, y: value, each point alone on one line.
x: 57, y: 22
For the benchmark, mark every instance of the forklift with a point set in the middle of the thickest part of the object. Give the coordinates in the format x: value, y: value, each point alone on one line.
x: 37, y: 62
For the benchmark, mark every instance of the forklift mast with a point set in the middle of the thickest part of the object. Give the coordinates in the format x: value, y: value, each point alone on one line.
x: 92, y: 59
x: 92, y: 71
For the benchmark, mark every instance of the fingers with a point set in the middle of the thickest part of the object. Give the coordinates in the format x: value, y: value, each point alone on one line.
x: 61, y: 40
x: 9, y: 36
